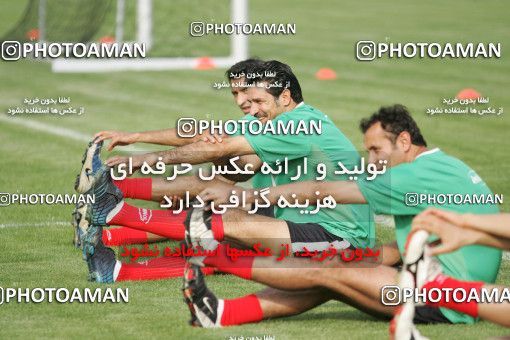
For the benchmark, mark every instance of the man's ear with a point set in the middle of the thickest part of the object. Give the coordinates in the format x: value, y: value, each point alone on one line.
x: 285, y: 98
x: 404, y: 139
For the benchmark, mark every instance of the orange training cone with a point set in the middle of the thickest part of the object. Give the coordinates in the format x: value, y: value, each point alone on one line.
x: 107, y: 39
x: 205, y: 63
x: 468, y: 94
x: 33, y: 34
x: 325, y: 74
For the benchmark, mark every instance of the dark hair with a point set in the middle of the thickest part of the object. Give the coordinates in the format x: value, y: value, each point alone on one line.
x: 245, y: 66
x: 273, y: 72
x: 395, y: 119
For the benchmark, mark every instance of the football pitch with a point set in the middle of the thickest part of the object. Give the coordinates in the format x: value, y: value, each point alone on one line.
x: 42, y: 154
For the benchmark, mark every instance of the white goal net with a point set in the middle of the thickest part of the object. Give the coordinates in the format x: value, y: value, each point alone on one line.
x: 164, y: 27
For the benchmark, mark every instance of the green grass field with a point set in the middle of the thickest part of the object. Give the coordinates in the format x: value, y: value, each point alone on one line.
x: 35, y: 245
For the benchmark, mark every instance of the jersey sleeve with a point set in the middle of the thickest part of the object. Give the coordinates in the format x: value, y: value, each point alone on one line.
x: 246, y: 117
x: 272, y: 147
x: 393, y: 193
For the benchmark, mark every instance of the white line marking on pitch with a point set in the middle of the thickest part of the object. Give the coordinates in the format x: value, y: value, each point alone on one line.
x: 59, y: 131
x: 36, y: 224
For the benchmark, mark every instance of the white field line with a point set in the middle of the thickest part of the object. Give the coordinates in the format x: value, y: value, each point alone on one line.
x: 57, y: 131
x: 37, y: 224
x: 61, y: 132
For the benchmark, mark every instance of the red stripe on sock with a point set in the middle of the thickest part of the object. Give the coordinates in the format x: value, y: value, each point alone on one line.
x: 242, y: 267
x: 123, y: 235
x: 445, y: 282
x: 155, y: 269
x: 217, y: 227
x: 242, y: 310
x: 139, y: 188
x: 160, y: 222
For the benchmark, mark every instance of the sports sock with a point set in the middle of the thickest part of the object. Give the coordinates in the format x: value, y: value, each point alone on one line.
x: 242, y: 267
x: 123, y: 235
x: 444, y: 282
x: 139, y: 188
x: 241, y: 310
x: 217, y: 227
x: 155, y: 269
x: 160, y: 222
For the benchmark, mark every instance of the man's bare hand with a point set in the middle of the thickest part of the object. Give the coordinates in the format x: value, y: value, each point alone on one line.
x: 220, y: 193
x: 210, y: 138
x: 451, y: 235
x: 455, y: 218
x: 117, y: 138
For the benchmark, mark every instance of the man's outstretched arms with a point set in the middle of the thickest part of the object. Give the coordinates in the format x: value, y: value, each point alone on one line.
x: 195, y: 153
x: 458, y: 230
x: 161, y: 137
x: 496, y: 224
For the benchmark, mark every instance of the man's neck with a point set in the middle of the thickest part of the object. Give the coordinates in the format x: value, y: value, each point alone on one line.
x: 292, y: 105
x: 416, y: 151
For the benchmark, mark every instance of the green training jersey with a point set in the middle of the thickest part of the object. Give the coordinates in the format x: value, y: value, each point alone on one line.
x: 258, y: 180
x: 436, y: 174
x: 351, y: 222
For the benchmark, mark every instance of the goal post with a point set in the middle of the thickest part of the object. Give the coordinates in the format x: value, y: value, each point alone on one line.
x: 145, y: 27
x: 144, y: 22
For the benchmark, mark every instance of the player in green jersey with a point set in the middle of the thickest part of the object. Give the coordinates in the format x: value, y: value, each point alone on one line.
x: 169, y: 137
x: 457, y: 230
x: 392, y: 135
x: 346, y: 226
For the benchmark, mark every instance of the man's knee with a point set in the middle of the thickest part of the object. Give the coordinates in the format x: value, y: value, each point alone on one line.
x: 278, y: 303
x: 234, y: 216
x: 316, y: 275
x: 328, y: 274
x: 234, y: 224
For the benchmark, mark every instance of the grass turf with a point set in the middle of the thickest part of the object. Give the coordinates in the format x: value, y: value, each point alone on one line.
x: 33, y: 161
